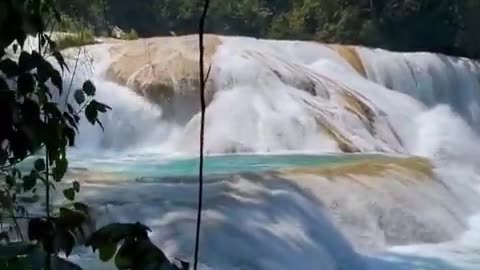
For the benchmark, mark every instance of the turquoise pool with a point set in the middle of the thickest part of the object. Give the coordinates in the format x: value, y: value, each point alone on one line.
x: 151, y: 166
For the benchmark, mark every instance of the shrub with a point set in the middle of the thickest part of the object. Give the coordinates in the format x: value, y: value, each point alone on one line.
x: 76, y: 40
x: 132, y: 35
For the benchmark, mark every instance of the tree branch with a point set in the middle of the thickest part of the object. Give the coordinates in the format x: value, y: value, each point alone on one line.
x: 202, y: 128
x: 208, y: 74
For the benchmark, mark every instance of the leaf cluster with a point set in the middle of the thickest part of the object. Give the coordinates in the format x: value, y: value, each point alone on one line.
x: 36, y: 124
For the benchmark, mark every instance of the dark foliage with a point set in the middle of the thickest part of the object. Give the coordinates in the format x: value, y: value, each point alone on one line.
x: 35, y: 124
x: 409, y: 25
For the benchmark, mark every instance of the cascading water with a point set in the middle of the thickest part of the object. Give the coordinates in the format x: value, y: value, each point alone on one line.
x: 132, y: 126
x: 412, y: 119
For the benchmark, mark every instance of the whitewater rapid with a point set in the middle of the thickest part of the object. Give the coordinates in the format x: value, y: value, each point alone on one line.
x: 290, y: 97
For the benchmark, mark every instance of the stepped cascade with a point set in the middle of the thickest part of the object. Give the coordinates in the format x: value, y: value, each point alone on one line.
x: 319, y: 155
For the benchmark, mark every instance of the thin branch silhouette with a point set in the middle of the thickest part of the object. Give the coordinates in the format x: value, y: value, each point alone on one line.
x: 208, y: 74
x: 202, y: 127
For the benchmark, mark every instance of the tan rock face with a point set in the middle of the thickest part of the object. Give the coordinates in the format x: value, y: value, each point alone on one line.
x: 350, y: 54
x: 420, y: 167
x: 164, y: 70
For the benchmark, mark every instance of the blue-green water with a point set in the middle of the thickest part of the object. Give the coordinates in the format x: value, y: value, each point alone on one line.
x: 151, y: 166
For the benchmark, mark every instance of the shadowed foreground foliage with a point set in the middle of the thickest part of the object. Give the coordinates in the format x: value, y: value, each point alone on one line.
x: 37, y: 123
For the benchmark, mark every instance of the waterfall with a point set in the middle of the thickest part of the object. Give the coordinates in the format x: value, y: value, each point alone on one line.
x: 280, y: 96
x: 417, y: 112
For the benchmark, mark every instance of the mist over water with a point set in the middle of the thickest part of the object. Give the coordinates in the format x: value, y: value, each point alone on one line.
x: 296, y: 98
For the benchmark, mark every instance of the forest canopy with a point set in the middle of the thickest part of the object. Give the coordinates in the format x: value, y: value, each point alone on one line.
x: 447, y: 26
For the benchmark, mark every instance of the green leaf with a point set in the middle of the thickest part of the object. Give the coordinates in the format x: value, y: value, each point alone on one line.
x: 52, y: 109
x: 91, y: 113
x: 76, y: 186
x: 29, y: 182
x: 81, y: 207
x: 61, y: 166
x: 60, y: 60
x: 25, y: 62
x: 70, y: 108
x: 45, y: 90
x: 39, y: 229
x: 19, y: 146
x: 89, y: 88
x: 42, y: 97
x: 43, y: 39
x: 100, y: 124
x: 79, y: 97
x: 21, y: 37
x: 69, y: 193
x: 71, y: 219
x: 25, y: 84
x: 30, y: 111
x: 70, y: 120
x: 100, y: 106
x: 64, y: 240
x: 70, y: 135
x: 114, y: 232
x: 69, y: 243
x: 52, y: 45
x: 39, y: 165
x: 9, y: 68
x: 107, y: 251
x: 124, y: 258
x: 152, y: 254
x: 45, y: 70
x: 57, y: 80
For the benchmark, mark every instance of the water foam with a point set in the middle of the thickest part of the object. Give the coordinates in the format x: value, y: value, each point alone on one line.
x: 276, y: 96
x: 132, y: 126
x: 281, y: 96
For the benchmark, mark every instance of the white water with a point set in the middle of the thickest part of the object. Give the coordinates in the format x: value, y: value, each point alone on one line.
x: 270, y: 97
